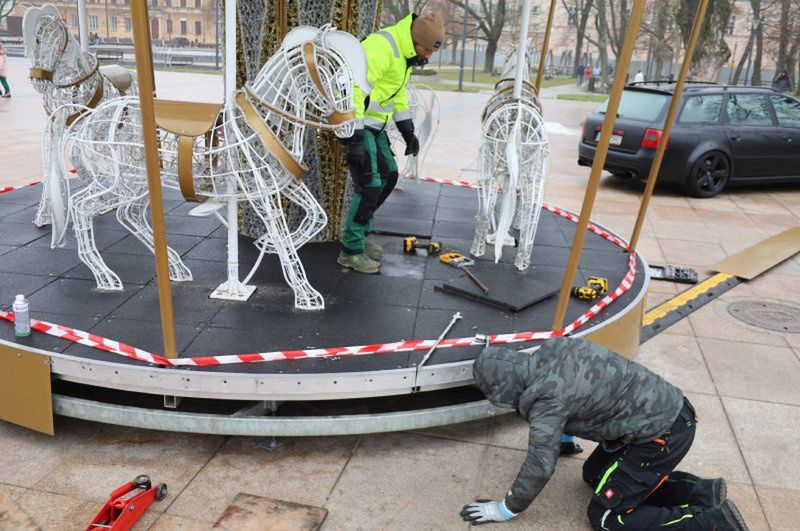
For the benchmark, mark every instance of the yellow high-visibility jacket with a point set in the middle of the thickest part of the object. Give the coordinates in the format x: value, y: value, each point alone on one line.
x: 388, y: 71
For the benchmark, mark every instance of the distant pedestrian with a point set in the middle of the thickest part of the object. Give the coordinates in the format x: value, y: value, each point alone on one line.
x: 597, y: 72
x: 639, y: 77
x: 782, y: 82
x: 3, y: 81
x: 579, y: 74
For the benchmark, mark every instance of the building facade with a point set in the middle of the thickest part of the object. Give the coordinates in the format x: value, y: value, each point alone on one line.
x: 179, y: 22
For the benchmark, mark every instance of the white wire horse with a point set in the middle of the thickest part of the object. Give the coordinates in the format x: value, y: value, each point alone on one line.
x: 70, y: 80
x: 425, y: 110
x: 513, y: 158
x: 251, y: 151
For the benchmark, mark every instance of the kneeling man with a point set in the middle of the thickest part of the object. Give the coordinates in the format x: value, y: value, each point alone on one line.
x: 643, y: 423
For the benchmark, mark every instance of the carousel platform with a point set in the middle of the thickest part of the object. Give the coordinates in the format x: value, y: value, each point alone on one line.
x: 402, y: 303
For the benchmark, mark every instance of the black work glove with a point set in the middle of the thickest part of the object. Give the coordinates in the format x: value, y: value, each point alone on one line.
x: 406, y: 128
x: 354, y: 151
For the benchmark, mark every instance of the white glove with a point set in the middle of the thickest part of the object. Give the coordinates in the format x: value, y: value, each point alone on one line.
x: 486, y: 511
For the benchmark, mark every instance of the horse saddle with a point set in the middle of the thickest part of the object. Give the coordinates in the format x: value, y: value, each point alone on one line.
x: 119, y: 76
x: 188, y: 120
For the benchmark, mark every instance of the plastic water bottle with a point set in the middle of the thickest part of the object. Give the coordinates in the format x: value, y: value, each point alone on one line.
x: 22, y: 317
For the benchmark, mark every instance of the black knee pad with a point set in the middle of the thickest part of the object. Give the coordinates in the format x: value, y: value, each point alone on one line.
x: 369, y: 202
x: 595, y: 513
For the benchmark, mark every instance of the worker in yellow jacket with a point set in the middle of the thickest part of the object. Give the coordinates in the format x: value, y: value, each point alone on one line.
x: 391, y: 52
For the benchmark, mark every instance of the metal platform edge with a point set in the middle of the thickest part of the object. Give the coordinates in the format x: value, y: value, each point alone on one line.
x: 175, y: 421
x: 281, y: 387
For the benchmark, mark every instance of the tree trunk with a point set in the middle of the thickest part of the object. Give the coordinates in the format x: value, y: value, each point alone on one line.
x: 740, y: 66
x: 454, y: 55
x: 783, y: 37
x: 755, y: 6
x: 491, y: 49
x: 712, y: 51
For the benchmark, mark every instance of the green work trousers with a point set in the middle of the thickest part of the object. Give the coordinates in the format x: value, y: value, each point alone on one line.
x: 372, y: 185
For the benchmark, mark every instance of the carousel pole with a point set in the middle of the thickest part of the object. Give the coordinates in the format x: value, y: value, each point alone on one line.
x: 545, y: 46
x: 632, y: 31
x: 522, y: 49
x: 144, y: 67
x: 83, y: 25
x: 232, y: 288
x: 670, y: 119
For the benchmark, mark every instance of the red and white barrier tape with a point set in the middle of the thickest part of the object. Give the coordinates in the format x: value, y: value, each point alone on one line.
x: 92, y: 340
x: 12, y: 188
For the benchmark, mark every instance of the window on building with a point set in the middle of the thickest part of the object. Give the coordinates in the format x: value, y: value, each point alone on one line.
x: 93, y: 22
x: 127, y: 2
x: 748, y: 109
x: 701, y: 109
x: 169, y: 3
x: 114, y: 23
x: 74, y: 21
x: 183, y: 27
x: 535, y: 10
x: 197, y: 28
x: 154, y: 3
x: 127, y: 22
x: 197, y: 4
x: 113, y: 1
x: 572, y: 16
x: 169, y: 26
x: 731, y: 25
x: 183, y: 3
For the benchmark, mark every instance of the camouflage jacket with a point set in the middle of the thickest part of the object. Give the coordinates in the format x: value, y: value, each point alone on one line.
x: 572, y: 386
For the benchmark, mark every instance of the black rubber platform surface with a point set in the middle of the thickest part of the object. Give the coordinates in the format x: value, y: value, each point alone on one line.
x: 399, y: 304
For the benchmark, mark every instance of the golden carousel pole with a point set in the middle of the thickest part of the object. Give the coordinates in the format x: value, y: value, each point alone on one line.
x: 545, y: 46
x: 631, y: 33
x: 669, y: 120
x: 144, y: 69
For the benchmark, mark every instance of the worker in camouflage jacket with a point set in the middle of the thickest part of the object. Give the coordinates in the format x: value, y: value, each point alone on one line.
x: 643, y: 423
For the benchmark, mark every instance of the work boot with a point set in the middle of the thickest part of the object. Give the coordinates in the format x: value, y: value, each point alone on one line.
x: 704, y: 492
x: 726, y: 517
x: 373, y: 250
x: 359, y: 262
x: 7, y: 95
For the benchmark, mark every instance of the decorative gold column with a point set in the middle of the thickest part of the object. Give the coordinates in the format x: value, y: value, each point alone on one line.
x: 144, y: 69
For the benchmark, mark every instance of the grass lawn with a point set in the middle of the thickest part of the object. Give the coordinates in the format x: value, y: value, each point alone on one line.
x: 583, y: 97
x: 452, y: 88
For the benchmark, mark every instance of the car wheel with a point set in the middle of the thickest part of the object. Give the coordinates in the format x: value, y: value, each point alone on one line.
x: 709, y: 175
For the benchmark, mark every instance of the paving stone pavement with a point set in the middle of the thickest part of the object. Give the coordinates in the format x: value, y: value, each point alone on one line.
x: 744, y: 380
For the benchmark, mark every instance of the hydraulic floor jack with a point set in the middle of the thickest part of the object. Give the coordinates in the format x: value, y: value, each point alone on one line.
x: 127, y: 504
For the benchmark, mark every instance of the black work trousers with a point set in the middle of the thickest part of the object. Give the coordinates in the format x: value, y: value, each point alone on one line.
x: 632, y: 488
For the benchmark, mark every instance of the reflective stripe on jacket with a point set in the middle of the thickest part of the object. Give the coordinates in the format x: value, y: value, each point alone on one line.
x: 387, y: 69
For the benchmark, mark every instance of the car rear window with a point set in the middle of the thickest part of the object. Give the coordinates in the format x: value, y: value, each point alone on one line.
x: 702, y: 109
x: 639, y: 105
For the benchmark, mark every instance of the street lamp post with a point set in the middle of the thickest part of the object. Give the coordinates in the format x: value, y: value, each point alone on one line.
x: 463, y: 50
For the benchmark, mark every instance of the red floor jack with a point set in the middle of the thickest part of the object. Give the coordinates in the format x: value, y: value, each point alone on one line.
x: 127, y: 504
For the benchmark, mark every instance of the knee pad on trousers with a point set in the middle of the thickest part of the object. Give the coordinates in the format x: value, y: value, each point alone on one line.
x: 367, y: 206
x: 601, y: 518
x: 391, y: 182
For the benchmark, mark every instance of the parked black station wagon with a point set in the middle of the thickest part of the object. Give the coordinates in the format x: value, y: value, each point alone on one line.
x: 723, y: 134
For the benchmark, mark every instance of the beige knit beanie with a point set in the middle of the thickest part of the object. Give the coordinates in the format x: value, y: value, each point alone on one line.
x: 428, y: 30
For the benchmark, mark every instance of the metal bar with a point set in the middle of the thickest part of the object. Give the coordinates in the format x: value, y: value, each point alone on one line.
x: 144, y: 64
x: 522, y: 48
x: 456, y: 317
x: 669, y: 120
x: 545, y: 46
x: 624, y: 62
x: 157, y: 419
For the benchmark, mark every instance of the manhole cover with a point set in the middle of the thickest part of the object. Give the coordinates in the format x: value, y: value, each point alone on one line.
x: 769, y: 315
